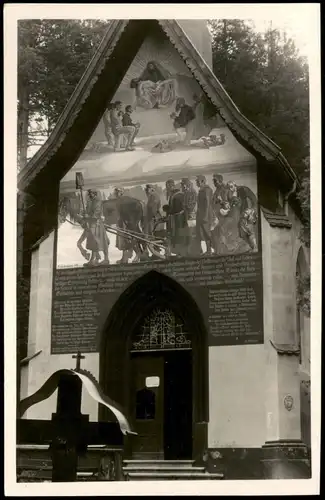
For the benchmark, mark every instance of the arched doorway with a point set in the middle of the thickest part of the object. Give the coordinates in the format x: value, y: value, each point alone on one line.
x: 161, y: 385
x: 132, y: 366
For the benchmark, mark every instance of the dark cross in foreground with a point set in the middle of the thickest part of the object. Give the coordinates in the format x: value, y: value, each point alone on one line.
x: 69, y: 432
x: 78, y: 358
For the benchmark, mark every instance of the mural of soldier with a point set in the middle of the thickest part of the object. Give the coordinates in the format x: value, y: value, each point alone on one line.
x: 94, y: 231
x: 190, y: 201
x: 218, y: 199
x: 152, y: 208
x: 175, y: 218
x: 190, y: 198
x: 129, y: 216
x: 122, y: 243
x: 220, y: 193
x: 204, y: 214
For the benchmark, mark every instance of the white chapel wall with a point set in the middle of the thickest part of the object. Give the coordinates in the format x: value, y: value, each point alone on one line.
x: 279, y: 250
x: 44, y: 365
x: 237, y: 388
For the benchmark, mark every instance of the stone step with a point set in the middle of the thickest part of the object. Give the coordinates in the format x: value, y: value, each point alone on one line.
x: 172, y: 476
x: 162, y: 468
x: 175, y: 464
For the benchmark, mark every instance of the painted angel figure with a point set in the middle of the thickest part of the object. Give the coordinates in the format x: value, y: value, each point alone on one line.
x: 155, y: 87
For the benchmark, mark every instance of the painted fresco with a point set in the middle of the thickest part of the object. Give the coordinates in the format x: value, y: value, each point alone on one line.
x: 162, y: 176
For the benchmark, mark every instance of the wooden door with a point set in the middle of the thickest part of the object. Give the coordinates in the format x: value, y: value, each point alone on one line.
x: 178, y: 406
x: 147, y: 406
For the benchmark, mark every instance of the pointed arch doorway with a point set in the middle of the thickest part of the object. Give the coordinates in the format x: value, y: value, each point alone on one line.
x: 154, y: 363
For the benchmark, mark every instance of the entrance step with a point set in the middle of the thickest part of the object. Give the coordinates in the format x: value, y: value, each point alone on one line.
x: 164, y: 470
x: 144, y: 464
x: 171, y: 476
x: 154, y: 468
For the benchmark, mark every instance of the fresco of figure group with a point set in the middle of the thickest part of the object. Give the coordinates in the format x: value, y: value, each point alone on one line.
x: 177, y: 219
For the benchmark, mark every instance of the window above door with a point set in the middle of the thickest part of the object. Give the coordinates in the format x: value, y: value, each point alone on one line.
x: 162, y: 329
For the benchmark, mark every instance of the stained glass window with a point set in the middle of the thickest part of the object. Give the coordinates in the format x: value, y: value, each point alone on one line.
x: 161, y: 330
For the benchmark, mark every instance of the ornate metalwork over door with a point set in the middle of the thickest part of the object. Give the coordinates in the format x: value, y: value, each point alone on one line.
x: 161, y: 330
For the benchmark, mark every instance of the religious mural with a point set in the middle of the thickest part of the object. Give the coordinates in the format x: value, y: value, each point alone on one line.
x: 161, y: 178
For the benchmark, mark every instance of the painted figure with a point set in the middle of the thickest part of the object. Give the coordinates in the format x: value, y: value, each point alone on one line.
x: 190, y: 198
x: 155, y: 87
x: 200, y: 128
x: 236, y: 220
x: 152, y: 208
x: 108, y: 126
x: 118, y: 130
x: 127, y: 122
x: 122, y: 243
x: 246, y: 195
x: 175, y: 216
x: 220, y: 193
x: 183, y: 117
x: 130, y: 217
x: 247, y: 225
x: 94, y: 231
x: 218, y: 200
x: 190, y: 201
x: 226, y: 233
x: 204, y: 214
x: 213, y: 140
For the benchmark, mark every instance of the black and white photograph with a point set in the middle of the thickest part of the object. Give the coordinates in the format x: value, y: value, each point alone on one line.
x: 162, y: 166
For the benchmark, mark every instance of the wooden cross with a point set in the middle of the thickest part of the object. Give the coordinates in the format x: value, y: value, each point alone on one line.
x: 69, y: 432
x: 78, y: 358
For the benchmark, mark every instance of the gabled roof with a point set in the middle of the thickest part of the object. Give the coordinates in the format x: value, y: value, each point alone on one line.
x: 98, y: 85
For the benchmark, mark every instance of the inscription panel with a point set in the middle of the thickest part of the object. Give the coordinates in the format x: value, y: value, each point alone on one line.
x: 228, y: 290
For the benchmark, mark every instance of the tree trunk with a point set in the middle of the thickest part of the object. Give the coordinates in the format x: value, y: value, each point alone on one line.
x: 22, y: 133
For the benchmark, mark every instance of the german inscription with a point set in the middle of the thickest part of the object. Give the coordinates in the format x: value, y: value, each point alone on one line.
x: 227, y: 289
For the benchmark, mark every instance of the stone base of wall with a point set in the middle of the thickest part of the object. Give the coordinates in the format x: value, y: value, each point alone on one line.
x: 275, y: 460
x: 286, y: 460
x: 234, y: 463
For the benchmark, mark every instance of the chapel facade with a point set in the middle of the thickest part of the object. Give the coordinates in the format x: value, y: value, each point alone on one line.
x: 159, y: 229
